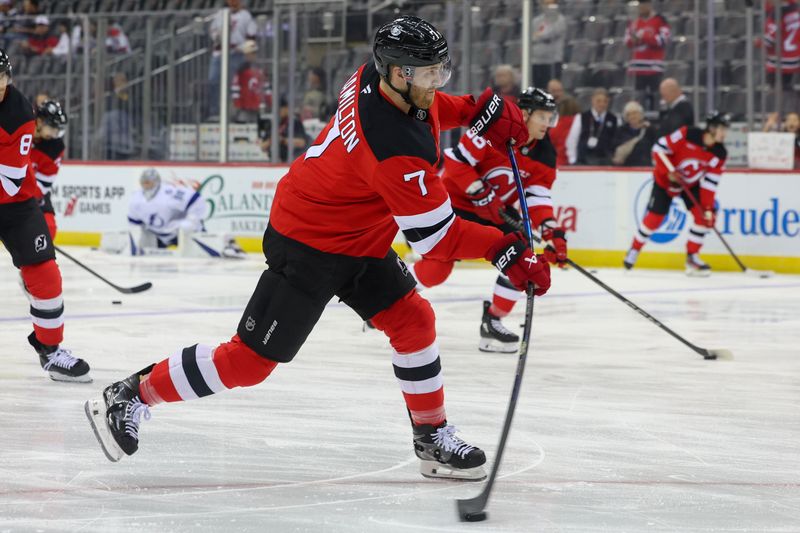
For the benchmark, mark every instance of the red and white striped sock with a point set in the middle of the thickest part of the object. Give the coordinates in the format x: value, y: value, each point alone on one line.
x: 504, y: 297
x: 43, y: 289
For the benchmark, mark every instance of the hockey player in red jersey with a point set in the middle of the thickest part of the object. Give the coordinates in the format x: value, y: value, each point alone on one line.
x: 480, y: 182
x: 46, y: 154
x: 332, y: 223
x: 699, y: 160
x: 24, y: 233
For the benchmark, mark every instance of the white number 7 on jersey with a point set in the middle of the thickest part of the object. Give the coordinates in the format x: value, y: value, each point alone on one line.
x: 418, y: 174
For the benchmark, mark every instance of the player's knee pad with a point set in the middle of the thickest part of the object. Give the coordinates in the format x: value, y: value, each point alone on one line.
x: 238, y: 365
x: 430, y: 273
x: 409, y: 323
x: 42, y: 280
x: 278, y: 318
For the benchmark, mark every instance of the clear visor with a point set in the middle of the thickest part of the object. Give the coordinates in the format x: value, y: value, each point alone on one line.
x: 429, y: 76
x: 49, y: 132
x: 544, y: 118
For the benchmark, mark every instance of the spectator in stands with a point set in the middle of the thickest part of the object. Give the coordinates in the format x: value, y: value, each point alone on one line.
x: 62, y: 48
x: 791, y: 124
x: 634, y: 138
x: 41, y: 42
x: 242, y: 28
x: 648, y: 36
x: 505, y: 81
x: 556, y: 88
x: 7, y: 10
x: 77, y: 37
x: 590, y: 138
x: 117, y: 126
x: 249, y: 86
x: 116, y: 40
x: 568, y: 109
x: 300, y: 139
x: 27, y: 27
x: 549, y: 36
x: 315, y: 103
x: 676, y: 110
x: 790, y: 51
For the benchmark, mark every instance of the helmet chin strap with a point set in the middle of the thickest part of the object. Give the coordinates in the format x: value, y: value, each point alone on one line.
x: 406, y: 96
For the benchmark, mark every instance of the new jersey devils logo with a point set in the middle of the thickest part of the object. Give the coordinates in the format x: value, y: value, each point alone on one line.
x: 40, y: 243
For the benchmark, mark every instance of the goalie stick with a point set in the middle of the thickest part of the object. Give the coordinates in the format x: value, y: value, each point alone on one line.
x: 749, y: 271
x: 124, y: 290
x: 472, y: 509
x: 707, y: 353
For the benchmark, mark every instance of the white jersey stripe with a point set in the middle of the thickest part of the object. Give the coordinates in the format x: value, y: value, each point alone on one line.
x: 205, y: 362
x: 467, y: 155
x: 178, y: 377
x: 424, y: 220
x: 15, y: 173
x: 427, y: 244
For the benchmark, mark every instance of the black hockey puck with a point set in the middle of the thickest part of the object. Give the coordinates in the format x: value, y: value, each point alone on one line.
x: 480, y: 516
x: 709, y: 357
x: 116, y: 302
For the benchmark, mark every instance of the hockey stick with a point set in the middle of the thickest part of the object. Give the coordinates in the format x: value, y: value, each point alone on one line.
x: 749, y: 271
x: 707, y: 353
x: 472, y: 509
x: 124, y: 290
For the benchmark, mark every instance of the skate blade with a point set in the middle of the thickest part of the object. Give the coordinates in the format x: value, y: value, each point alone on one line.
x: 436, y: 470
x: 692, y: 273
x: 96, y: 413
x: 85, y: 378
x: 494, y: 346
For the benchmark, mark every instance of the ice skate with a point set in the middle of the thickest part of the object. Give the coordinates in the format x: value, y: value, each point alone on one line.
x: 696, y: 267
x: 232, y: 250
x: 59, y: 363
x: 115, y: 417
x: 630, y: 258
x: 495, y: 337
x: 443, y: 455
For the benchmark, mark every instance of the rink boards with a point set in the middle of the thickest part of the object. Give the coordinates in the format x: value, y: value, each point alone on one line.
x: 759, y: 211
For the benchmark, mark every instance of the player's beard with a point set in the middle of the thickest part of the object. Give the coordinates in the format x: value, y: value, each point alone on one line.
x: 422, y: 98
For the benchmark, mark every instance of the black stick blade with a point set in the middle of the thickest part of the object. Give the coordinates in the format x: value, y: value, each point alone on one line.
x: 471, y: 510
x: 133, y: 290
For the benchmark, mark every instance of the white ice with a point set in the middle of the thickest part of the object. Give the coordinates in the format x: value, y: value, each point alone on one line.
x: 619, y: 426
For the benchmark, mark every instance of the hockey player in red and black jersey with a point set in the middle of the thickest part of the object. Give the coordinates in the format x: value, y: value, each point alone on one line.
x: 46, y: 155
x: 481, y: 186
x: 24, y: 233
x: 332, y: 223
x: 699, y: 160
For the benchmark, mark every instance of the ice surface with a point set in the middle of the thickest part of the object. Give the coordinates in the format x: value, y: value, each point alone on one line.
x: 619, y: 426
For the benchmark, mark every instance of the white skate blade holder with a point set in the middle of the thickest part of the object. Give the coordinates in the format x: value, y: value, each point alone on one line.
x: 55, y: 376
x: 435, y: 469
x: 96, y: 413
x: 495, y: 346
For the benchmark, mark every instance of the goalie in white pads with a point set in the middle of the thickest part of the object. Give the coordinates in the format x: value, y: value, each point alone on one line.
x: 164, y: 215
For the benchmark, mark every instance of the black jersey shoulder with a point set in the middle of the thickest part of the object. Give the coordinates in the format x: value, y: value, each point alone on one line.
x: 388, y: 131
x: 52, y: 148
x: 694, y: 135
x: 542, y: 151
x: 720, y: 151
x: 15, y: 110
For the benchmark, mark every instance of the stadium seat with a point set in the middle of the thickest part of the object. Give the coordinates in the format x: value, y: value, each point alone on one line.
x: 572, y: 75
x: 619, y: 97
x: 606, y: 74
x: 596, y: 28
x: 582, y: 51
x: 615, y: 51
x: 513, y: 55
x: 680, y: 70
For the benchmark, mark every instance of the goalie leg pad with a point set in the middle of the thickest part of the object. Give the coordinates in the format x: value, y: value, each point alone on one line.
x: 279, y: 317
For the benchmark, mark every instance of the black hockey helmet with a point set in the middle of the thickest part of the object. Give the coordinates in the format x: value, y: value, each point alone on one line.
x: 52, y: 115
x: 717, y: 118
x: 5, y: 63
x: 532, y: 99
x: 408, y: 41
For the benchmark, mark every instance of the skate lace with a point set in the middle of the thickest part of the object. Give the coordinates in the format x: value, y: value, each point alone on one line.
x: 133, y: 416
x: 62, y: 358
x: 500, y: 327
x: 445, y: 439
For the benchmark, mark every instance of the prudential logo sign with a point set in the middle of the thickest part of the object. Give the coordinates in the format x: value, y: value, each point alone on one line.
x: 673, y: 223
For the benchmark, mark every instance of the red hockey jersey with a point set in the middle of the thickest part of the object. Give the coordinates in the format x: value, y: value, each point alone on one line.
x: 648, y: 38
x: 693, y: 161
x: 46, y: 161
x: 475, y: 159
x: 790, y: 36
x: 372, y: 170
x: 17, y: 125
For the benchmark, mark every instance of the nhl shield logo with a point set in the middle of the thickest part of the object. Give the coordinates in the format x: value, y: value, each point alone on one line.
x: 395, y: 31
x: 422, y: 114
x: 250, y: 324
x: 40, y: 243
